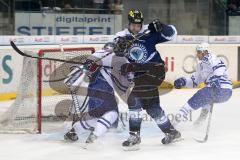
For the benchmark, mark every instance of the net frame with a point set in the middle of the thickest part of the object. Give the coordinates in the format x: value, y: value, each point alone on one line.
x: 37, y: 108
x: 39, y: 76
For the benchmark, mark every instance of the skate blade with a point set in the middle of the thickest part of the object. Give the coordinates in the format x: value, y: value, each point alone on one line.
x: 69, y: 140
x: 84, y: 146
x: 132, y: 148
x: 203, y: 140
x: 175, y: 141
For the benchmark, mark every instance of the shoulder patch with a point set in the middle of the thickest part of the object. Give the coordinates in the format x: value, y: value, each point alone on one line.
x: 205, y: 59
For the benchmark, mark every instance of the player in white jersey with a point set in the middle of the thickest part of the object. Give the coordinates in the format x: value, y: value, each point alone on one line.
x: 218, y: 88
x: 102, y: 104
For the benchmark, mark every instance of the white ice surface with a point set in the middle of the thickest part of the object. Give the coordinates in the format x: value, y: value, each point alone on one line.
x: 223, y: 143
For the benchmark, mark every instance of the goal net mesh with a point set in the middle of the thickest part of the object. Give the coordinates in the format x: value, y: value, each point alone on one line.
x: 42, y: 102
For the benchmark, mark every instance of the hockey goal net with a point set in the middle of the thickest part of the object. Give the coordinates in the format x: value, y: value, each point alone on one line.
x: 42, y: 98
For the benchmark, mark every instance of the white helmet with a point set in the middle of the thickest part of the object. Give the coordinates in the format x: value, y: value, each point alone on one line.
x: 202, y: 47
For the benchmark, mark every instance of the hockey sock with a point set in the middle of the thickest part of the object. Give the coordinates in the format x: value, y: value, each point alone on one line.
x: 135, y: 120
x: 85, y: 123
x: 160, y: 118
x: 105, y: 122
x: 183, y: 113
x: 163, y: 123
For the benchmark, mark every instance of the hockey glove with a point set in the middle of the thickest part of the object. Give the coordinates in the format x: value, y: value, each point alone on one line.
x: 121, y: 46
x: 90, y: 66
x: 155, y: 26
x: 179, y: 83
x: 215, y: 82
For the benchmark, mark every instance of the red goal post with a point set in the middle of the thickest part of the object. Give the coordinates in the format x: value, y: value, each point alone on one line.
x: 78, y: 50
x: 35, y: 98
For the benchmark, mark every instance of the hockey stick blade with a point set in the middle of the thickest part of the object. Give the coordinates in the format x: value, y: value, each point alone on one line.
x: 202, y: 141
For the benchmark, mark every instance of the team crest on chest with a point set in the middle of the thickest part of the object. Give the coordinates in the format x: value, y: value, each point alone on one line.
x: 138, y: 53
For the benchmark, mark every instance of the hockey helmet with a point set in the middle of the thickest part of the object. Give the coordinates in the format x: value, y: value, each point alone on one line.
x: 108, y: 46
x: 135, y: 16
x: 202, y: 47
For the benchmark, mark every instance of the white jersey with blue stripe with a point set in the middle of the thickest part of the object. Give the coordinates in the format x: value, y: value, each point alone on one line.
x: 110, y: 71
x: 210, y: 66
x: 144, y: 50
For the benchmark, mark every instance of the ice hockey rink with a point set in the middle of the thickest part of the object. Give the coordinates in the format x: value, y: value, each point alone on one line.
x: 223, y: 142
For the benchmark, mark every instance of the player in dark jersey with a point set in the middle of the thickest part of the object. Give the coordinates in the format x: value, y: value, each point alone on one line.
x: 147, y: 68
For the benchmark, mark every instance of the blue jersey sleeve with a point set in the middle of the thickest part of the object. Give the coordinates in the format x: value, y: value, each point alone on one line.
x: 168, y: 33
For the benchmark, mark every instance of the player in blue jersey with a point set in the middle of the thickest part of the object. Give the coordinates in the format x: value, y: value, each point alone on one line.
x: 213, y: 72
x: 147, y: 68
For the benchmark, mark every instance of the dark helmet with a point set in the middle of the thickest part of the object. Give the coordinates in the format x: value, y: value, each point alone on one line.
x: 135, y: 16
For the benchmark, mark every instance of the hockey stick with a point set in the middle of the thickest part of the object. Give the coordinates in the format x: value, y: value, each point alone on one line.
x: 54, y: 59
x: 209, y: 121
x: 77, y: 108
x: 39, y: 57
x: 208, y: 127
x: 70, y: 61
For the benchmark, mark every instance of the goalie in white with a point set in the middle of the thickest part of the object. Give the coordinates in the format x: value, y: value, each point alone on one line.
x: 213, y: 72
x: 102, y: 104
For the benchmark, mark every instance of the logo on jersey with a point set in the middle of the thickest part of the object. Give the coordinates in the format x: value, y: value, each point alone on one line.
x: 138, y: 53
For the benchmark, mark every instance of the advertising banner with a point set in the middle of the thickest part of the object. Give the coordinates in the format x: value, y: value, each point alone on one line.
x: 66, y: 24
x: 180, y: 60
x: 192, y: 39
x: 100, y: 39
x: 224, y: 39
